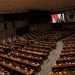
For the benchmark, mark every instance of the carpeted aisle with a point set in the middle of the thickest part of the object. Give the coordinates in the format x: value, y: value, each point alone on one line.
x: 47, y: 64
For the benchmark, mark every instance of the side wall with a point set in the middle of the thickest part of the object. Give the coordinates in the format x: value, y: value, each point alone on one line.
x: 7, y: 29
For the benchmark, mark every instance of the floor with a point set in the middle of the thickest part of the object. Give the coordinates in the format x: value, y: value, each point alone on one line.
x: 53, y: 56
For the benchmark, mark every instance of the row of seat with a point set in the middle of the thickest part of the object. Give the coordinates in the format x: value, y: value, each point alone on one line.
x: 25, y: 54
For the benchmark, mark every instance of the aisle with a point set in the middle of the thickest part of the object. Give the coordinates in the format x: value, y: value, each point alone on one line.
x: 46, y: 67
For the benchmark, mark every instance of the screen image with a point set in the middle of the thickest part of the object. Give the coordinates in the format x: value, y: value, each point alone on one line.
x: 58, y: 18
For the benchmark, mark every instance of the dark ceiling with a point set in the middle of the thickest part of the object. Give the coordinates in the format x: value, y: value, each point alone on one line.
x: 12, y: 6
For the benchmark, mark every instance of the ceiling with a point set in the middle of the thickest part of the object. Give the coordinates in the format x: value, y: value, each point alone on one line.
x: 12, y: 6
